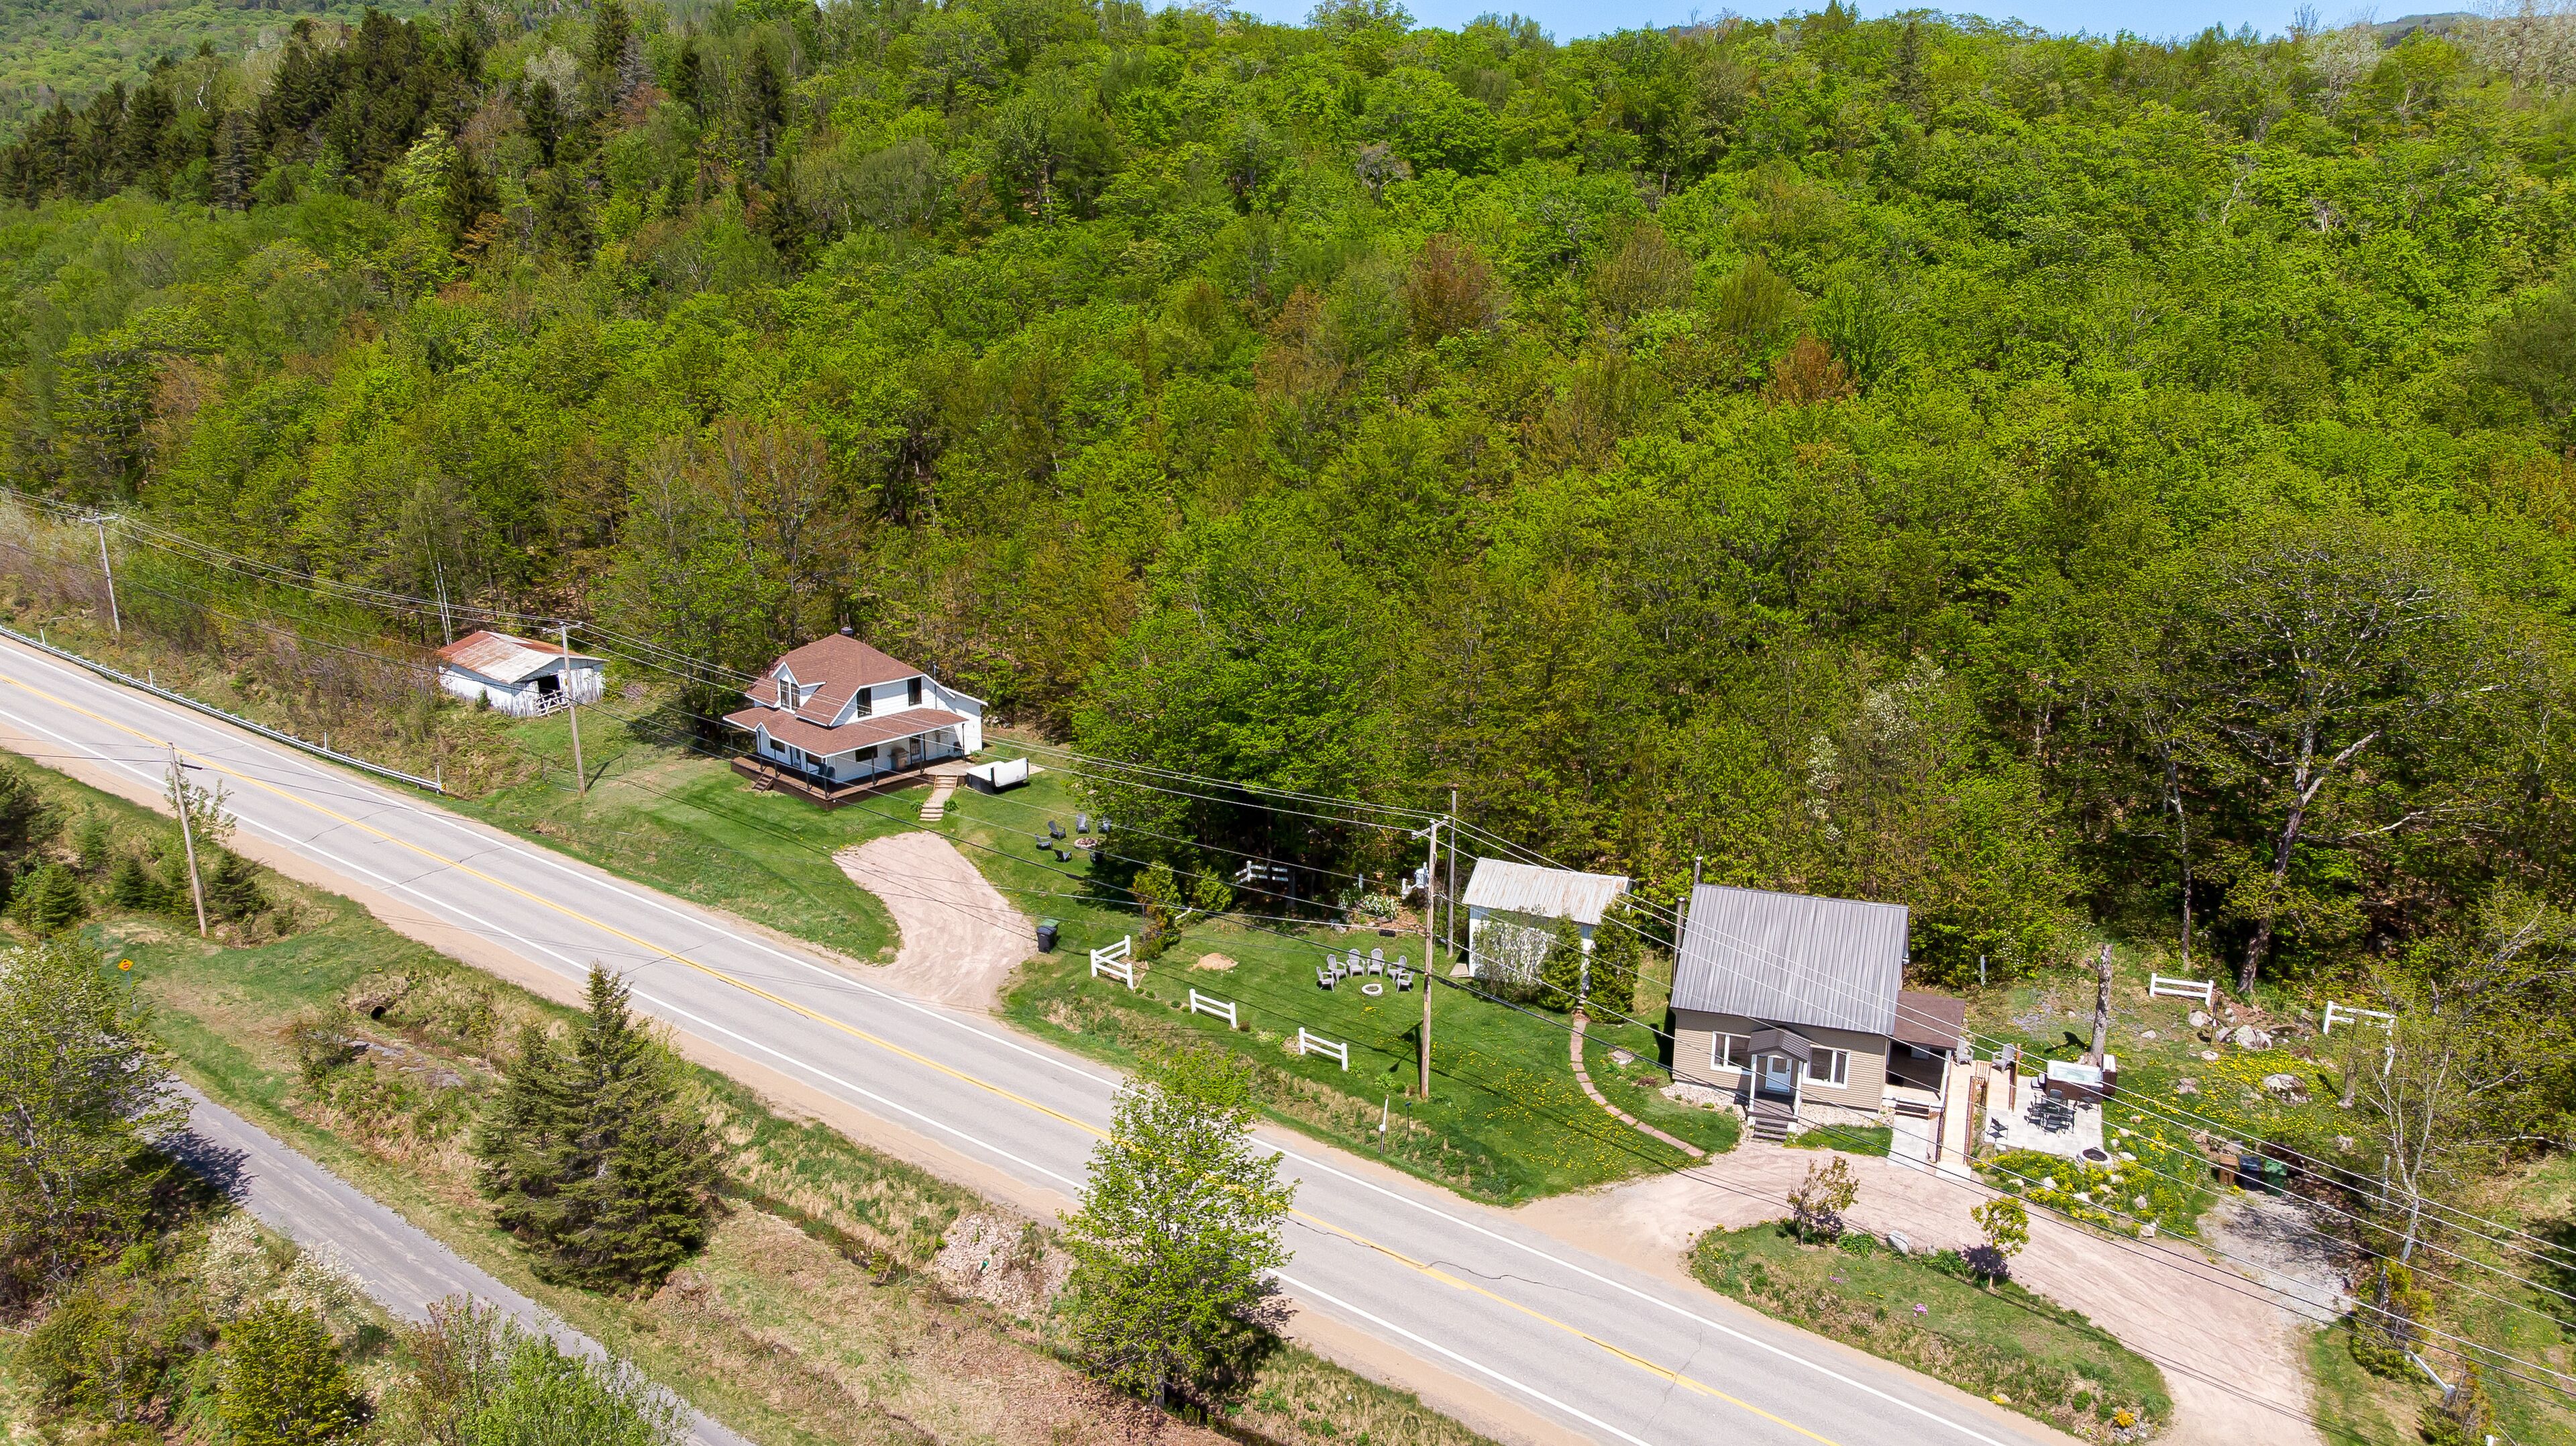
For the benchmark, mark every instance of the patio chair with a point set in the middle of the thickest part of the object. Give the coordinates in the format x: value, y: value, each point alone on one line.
x: 1082, y: 823
x: 1062, y: 857
x: 1054, y: 829
x: 1377, y: 963
x: 1045, y: 842
x: 1377, y: 956
x: 1403, y: 981
x: 1323, y: 977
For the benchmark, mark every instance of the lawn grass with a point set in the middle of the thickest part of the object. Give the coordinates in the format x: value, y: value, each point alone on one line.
x: 1505, y: 1121
x: 809, y: 1317
x: 685, y: 823
x: 1850, y: 1139
x: 2539, y: 1198
x: 2004, y: 1343
x: 2356, y: 1408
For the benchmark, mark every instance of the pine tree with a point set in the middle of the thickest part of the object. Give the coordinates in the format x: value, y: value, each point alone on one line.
x: 1561, y: 974
x: 594, y: 1156
x: 236, y: 165
x: 1906, y: 85
x: 284, y: 1383
x: 689, y: 79
x: 51, y: 901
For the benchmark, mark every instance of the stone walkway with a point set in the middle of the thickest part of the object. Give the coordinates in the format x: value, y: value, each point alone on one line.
x: 1583, y: 1077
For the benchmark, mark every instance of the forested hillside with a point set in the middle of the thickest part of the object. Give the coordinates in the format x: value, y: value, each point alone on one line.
x: 2032, y: 478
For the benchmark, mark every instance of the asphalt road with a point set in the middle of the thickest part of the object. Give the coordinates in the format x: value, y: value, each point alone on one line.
x: 1602, y: 1349
x: 397, y: 1264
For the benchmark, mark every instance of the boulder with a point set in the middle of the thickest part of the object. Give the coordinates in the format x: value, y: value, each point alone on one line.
x: 1897, y: 1242
x: 2200, y: 1019
x: 2209, y: 1056
x: 2286, y: 1087
x: 2146, y: 1034
x: 2186, y: 1086
x: 2246, y: 1036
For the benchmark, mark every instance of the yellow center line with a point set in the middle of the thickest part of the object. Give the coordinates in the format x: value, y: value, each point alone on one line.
x: 1430, y: 1271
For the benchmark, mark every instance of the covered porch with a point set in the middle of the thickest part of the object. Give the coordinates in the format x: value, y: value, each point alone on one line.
x: 769, y: 775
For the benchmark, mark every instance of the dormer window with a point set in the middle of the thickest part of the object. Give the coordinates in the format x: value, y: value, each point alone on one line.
x: 864, y: 702
x: 912, y: 692
x: 786, y: 691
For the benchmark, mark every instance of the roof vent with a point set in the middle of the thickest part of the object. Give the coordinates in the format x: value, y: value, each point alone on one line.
x: 846, y: 632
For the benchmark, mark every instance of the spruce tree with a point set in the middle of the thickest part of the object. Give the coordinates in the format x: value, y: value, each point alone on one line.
x: 51, y: 900
x: 284, y: 1383
x: 594, y: 1156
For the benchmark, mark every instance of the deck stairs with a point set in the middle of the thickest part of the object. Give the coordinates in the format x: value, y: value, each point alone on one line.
x: 1770, y: 1120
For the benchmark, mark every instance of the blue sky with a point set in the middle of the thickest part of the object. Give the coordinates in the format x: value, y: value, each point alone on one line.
x: 1570, y: 19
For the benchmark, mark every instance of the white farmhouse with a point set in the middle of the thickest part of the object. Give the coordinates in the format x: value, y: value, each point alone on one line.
x: 836, y: 712
x: 516, y: 675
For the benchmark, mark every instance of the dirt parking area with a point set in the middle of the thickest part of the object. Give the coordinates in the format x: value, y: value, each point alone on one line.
x: 2233, y: 1359
x: 961, y: 938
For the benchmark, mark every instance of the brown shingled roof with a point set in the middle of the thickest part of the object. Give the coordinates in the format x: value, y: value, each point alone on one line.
x: 841, y: 664
x: 813, y: 737
x: 1934, y: 1021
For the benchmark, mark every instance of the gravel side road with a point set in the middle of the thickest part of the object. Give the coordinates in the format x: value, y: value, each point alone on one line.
x: 396, y: 1262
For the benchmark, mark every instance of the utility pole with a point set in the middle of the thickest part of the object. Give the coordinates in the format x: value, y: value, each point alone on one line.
x: 115, y: 619
x: 187, y: 835
x: 580, y: 776
x: 1430, y: 971
x: 1450, y: 935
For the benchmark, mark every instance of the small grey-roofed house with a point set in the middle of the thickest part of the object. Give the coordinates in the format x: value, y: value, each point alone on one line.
x: 1796, y: 1005
x: 1530, y: 898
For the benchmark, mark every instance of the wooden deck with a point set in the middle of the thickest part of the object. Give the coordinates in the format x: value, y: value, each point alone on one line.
x: 769, y: 778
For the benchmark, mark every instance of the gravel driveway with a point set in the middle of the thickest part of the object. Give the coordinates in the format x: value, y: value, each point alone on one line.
x: 960, y: 938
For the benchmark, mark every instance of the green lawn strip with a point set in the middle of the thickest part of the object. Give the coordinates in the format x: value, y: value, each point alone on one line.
x: 1637, y: 1087
x: 2356, y: 1408
x: 1850, y: 1139
x: 2045, y: 1361
x: 687, y: 824
x: 2539, y: 1198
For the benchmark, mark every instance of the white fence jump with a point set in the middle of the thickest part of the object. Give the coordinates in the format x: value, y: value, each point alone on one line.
x: 1221, y: 1008
x: 1317, y: 1044
x: 2164, y: 985
x: 2349, y: 1015
x: 1117, y: 961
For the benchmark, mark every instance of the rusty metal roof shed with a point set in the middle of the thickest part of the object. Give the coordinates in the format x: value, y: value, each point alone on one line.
x: 1792, y: 959
x: 1546, y: 893
x: 508, y: 659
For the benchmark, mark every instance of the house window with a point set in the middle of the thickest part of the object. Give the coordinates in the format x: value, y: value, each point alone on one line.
x: 912, y: 692
x: 1730, y: 1051
x: 792, y: 753
x: 786, y: 692
x: 1829, y: 1067
x: 865, y: 698
x: 868, y: 754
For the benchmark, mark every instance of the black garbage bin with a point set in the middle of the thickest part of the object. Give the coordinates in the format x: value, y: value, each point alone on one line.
x: 1046, y: 936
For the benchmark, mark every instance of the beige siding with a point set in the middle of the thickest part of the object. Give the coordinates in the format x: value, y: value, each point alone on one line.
x: 1694, y: 1058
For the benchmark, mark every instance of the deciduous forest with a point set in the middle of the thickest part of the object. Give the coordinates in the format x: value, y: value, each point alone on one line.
x: 2050, y: 481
